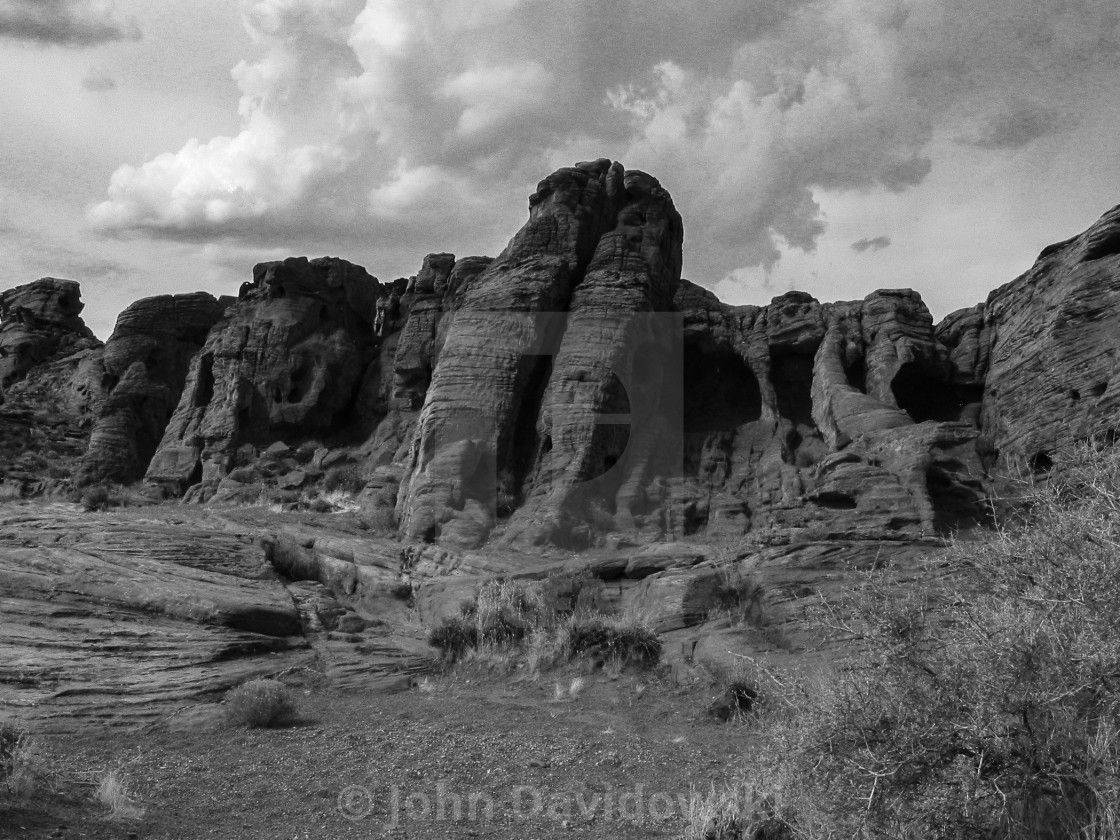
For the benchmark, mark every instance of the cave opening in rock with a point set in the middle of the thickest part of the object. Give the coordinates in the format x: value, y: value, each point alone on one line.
x: 204, y: 392
x: 721, y: 394
x: 925, y: 397
x: 856, y: 372
x: 792, y: 376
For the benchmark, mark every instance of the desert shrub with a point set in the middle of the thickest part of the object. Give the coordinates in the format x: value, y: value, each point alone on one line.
x: 454, y: 636
x: 260, y: 703
x: 15, y: 772
x: 737, y: 596
x: 743, y: 689
x: 344, y: 477
x: 984, y: 707
x: 95, y: 497
x: 627, y: 640
x: 509, y: 616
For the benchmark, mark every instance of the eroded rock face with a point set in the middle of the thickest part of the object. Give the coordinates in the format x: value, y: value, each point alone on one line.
x: 1045, y: 347
x: 287, y: 363
x: 40, y: 321
x: 47, y: 355
x: 575, y: 391
x: 142, y: 371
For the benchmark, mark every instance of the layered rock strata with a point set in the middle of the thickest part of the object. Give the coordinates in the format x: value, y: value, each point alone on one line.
x: 287, y: 363
x: 142, y: 371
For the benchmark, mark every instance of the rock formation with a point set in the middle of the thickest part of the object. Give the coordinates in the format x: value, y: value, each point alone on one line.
x: 575, y: 391
x: 46, y: 356
x: 39, y: 322
x: 1043, y: 349
x: 488, y: 417
x: 142, y: 371
x: 287, y: 363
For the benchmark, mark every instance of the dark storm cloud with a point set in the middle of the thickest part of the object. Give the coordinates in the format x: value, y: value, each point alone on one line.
x: 876, y: 244
x: 407, y: 118
x: 69, y: 23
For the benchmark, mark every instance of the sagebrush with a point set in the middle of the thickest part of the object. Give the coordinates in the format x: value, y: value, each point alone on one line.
x: 260, y: 703
x: 984, y: 705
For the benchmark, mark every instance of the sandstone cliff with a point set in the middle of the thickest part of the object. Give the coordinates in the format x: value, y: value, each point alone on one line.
x: 575, y: 391
x: 1044, y: 350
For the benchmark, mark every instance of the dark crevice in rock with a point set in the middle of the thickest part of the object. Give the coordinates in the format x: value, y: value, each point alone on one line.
x: 925, y: 397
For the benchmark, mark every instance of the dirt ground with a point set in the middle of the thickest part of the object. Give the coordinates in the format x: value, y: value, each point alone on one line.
x: 468, y: 754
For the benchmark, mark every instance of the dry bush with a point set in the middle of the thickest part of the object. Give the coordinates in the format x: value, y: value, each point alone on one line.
x: 344, y: 477
x: 627, y: 640
x: 512, y: 619
x: 20, y: 770
x: 260, y: 703
x: 95, y: 497
x: 988, y: 710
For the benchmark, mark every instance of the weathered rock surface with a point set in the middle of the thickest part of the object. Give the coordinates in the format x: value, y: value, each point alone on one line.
x: 46, y: 357
x: 39, y: 322
x: 1045, y: 348
x: 287, y: 363
x: 142, y: 371
x: 488, y: 417
x: 126, y: 617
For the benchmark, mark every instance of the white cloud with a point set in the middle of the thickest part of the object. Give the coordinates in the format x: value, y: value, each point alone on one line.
x: 407, y: 114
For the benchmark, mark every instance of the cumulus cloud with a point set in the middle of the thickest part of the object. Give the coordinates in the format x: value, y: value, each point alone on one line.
x: 98, y: 80
x: 417, y: 118
x: 877, y: 243
x: 70, y: 23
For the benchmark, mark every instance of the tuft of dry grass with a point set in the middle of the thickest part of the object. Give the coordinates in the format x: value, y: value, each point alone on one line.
x: 113, y: 793
x: 20, y: 769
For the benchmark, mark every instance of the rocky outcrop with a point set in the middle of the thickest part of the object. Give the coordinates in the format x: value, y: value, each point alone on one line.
x: 142, y: 370
x: 479, y: 420
x: 39, y: 322
x: 1045, y: 348
x: 287, y: 363
x: 582, y: 388
x: 47, y: 356
x: 575, y: 391
x: 120, y: 619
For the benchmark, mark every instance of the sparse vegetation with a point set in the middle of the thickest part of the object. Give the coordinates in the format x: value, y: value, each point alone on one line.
x: 987, y: 708
x: 260, y: 703
x: 18, y: 772
x: 113, y: 793
x: 627, y: 640
x: 345, y: 478
x: 95, y: 497
x: 531, y: 618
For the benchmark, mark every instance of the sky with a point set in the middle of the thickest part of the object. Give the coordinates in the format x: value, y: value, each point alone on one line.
x: 832, y: 146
